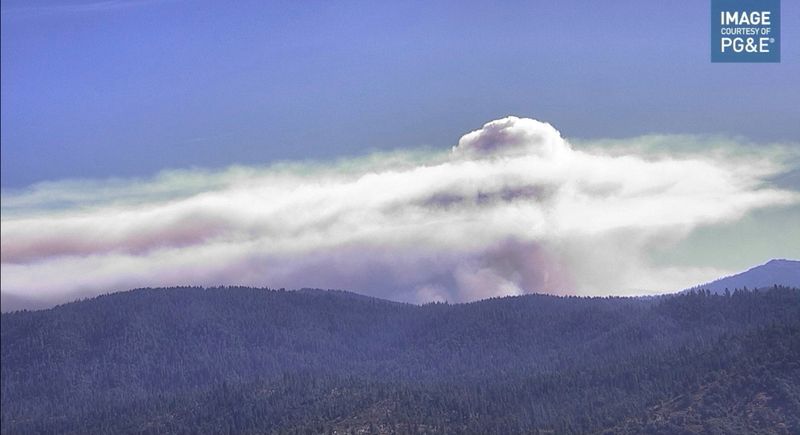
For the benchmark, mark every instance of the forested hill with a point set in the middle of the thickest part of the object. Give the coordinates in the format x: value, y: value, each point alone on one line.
x: 240, y: 360
x: 774, y: 272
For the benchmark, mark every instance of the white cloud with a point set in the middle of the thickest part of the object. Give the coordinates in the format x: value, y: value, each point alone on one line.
x: 513, y: 208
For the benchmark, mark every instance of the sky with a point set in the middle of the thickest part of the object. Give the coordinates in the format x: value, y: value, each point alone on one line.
x: 243, y: 145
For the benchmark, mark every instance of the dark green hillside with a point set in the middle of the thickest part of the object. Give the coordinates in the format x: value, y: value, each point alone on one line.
x: 240, y: 360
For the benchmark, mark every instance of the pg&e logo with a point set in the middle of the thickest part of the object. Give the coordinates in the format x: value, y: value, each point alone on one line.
x: 745, y: 31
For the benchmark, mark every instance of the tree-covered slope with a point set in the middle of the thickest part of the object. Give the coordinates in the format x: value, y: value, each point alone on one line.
x: 774, y: 272
x: 241, y: 360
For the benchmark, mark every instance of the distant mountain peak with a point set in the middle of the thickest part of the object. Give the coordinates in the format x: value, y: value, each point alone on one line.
x: 779, y: 271
x: 775, y: 261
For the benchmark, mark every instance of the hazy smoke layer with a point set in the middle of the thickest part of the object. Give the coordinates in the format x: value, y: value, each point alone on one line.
x: 512, y: 208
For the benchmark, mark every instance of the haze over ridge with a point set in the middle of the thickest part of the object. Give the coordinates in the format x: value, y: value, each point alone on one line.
x: 512, y: 208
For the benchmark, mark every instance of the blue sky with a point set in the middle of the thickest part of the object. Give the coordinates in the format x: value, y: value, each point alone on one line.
x: 367, y: 146
x: 128, y: 88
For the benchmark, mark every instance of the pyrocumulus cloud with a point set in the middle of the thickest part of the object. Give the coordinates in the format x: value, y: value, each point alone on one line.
x: 512, y: 208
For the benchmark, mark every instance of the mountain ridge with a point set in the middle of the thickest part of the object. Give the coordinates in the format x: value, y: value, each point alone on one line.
x: 245, y: 360
x: 781, y: 272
